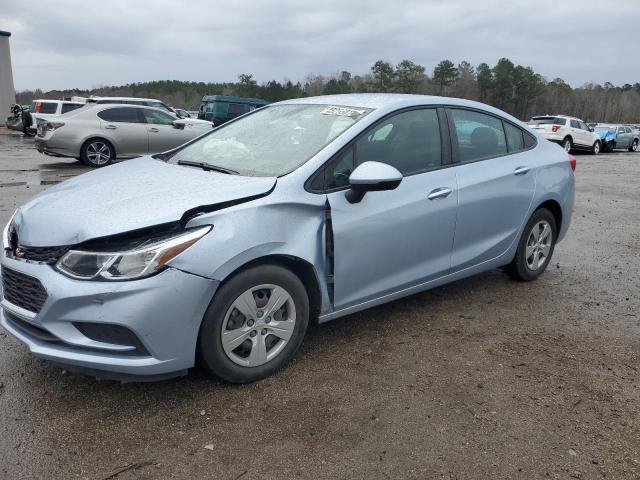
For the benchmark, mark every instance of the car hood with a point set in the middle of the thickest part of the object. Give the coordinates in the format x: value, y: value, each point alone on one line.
x: 605, y: 135
x: 127, y: 196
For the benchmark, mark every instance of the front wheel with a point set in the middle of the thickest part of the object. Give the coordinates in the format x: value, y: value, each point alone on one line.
x: 254, y: 324
x: 596, y: 148
x: 634, y: 146
x: 535, y: 247
x: 97, y: 153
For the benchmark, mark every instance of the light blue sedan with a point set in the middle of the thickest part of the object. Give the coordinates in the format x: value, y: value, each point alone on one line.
x: 225, y: 248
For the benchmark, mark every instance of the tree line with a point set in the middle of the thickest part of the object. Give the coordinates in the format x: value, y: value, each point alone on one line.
x: 516, y: 89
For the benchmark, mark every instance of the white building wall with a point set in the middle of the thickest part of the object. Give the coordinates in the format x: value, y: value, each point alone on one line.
x: 7, y: 91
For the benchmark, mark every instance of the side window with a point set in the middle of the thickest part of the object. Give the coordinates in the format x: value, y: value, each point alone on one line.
x: 621, y: 130
x: 338, y: 174
x: 584, y: 126
x: 529, y: 140
x: 408, y: 141
x: 157, y: 118
x: 515, y: 141
x: 67, y: 107
x: 627, y: 130
x: 478, y: 135
x: 121, y: 115
x: 237, y: 109
x: 560, y: 121
x: 575, y: 124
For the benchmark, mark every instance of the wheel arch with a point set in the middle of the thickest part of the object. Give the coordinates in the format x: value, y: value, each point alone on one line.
x: 304, y: 270
x: 556, y: 210
x: 102, y: 138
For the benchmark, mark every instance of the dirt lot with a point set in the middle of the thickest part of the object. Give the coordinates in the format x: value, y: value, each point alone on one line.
x: 484, y: 378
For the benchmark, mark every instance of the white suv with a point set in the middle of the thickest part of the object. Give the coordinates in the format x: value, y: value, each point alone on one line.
x: 572, y: 133
x: 43, y: 110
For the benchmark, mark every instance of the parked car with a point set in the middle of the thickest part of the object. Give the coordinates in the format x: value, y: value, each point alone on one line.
x: 148, y: 102
x: 20, y: 120
x: 44, y: 110
x: 311, y: 209
x: 572, y: 133
x: 618, y: 137
x: 222, y: 108
x: 98, y: 134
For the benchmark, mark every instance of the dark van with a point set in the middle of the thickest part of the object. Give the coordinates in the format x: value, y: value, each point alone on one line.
x: 222, y: 108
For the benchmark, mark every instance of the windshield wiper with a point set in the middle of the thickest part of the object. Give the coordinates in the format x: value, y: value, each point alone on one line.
x: 208, y: 167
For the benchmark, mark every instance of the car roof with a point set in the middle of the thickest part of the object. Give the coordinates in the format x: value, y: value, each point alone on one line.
x: 393, y: 101
x: 56, y: 101
x: 125, y: 98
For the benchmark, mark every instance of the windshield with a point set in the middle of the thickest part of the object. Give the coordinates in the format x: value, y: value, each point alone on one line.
x: 271, y: 141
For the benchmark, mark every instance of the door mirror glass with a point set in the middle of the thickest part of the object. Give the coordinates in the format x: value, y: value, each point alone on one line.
x: 372, y: 177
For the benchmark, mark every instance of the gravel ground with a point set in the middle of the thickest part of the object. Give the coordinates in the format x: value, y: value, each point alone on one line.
x: 483, y: 378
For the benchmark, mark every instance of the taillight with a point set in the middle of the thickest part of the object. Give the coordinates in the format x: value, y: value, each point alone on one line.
x: 53, y: 125
x: 572, y: 162
x: 38, y: 106
x: 555, y: 128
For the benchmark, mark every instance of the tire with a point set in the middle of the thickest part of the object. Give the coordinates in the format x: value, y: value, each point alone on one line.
x: 239, y: 358
x: 595, y: 149
x: 527, y: 265
x: 634, y: 146
x: 567, y: 144
x: 97, y: 152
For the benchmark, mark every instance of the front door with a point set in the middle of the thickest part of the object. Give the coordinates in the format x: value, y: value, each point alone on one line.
x: 126, y: 128
x: 392, y: 240
x: 163, y: 135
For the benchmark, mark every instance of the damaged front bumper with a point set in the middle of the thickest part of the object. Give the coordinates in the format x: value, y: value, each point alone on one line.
x: 129, y: 330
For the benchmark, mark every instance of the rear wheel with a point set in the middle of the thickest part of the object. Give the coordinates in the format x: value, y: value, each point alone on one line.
x: 595, y: 149
x: 634, y: 146
x: 254, y: 324
x: 97, y: 153
x: 535, y: 247
x: 566, y: 144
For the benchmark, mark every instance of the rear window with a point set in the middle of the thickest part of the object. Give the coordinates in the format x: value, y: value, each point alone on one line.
x: 67, y: 107
x: 44, y: 107
x: 548, y: 121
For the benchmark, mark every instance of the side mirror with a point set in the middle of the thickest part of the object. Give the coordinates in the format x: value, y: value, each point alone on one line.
x: 179, y: 124
x: 371, y: 177
x: 591, y: 129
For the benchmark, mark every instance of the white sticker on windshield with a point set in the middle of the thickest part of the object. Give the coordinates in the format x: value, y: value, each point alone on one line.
x: 342, y: 111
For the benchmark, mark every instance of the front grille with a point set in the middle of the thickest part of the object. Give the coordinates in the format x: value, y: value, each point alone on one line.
x: 48, y: 255
x: 23, y: 290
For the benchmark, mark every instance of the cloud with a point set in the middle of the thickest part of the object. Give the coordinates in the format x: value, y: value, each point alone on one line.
x: 74, y: 43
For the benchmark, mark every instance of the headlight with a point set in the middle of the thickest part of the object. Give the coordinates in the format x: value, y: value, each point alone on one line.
x: 6, y: 233
x: 138, y: 262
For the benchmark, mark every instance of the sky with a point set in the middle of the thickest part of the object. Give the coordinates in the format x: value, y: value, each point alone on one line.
x: 66, y: 44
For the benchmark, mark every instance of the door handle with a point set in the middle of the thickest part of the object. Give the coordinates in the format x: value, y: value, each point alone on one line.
x: 521, y: 170
x: 154, y: 130
x: 110, y: 127
x: 442, y: 192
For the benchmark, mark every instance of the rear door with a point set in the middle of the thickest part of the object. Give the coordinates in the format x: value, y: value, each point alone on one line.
x: 392, y: 240
x: 496, y: 182
x: 126, y: 128
x: 163, y: 134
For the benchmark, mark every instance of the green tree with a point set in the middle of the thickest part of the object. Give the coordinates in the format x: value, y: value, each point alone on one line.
x: 409, y: 75
x: 484, y: 79
x: 383, y: 76
x: 444, y: 74
x: 503, y: 84
x: 338, y: 85
x: 246, y: 86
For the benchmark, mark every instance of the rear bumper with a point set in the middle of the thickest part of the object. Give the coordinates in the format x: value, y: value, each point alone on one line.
x: 164, y: 312
x: 49, y: 148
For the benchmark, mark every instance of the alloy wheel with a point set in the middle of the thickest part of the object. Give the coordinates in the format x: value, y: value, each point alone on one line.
x: 538, y: 245
x: 258, y: 325
x: 567, y: 145
x: 634, y: 146
x: 98, y: 153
